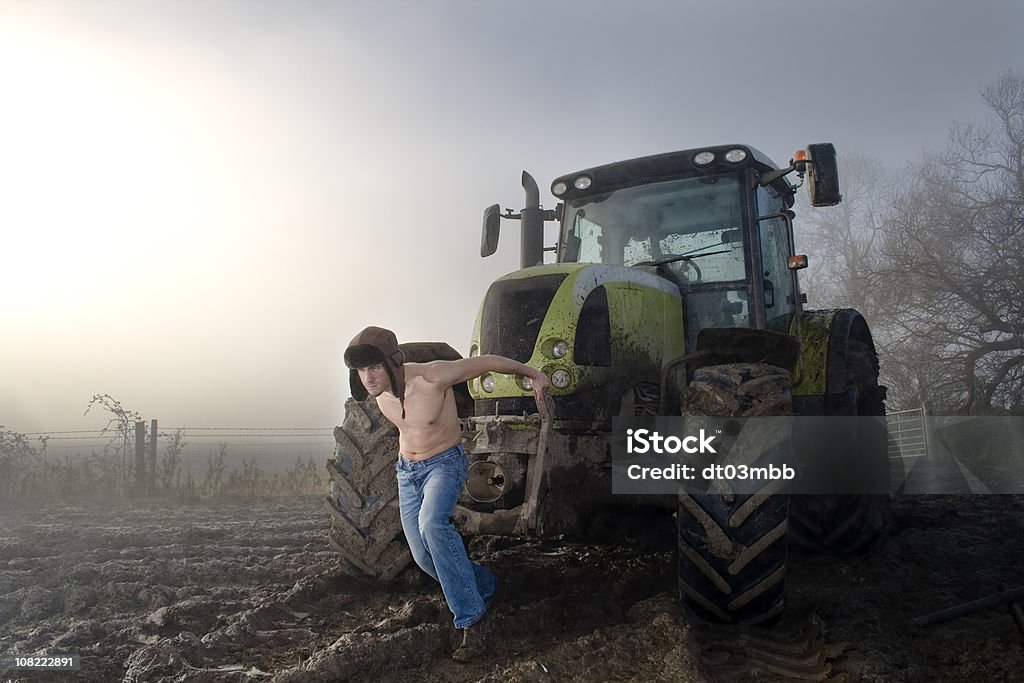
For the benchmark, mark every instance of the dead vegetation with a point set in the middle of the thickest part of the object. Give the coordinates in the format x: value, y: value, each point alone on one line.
x: 28, y: 472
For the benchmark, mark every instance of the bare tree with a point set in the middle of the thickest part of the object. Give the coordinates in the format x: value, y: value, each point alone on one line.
x: 844, y: 248
x: 952, y: 281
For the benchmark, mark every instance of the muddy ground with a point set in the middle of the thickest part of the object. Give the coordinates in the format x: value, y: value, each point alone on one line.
x: 250, y: 591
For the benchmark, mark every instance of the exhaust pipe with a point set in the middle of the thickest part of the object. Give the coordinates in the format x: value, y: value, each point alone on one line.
x: 531, y: 221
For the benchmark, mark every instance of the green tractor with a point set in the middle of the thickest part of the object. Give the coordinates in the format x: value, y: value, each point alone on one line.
x: 673, y: 291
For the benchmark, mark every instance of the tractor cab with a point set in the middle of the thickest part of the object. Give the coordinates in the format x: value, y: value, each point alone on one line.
x: 651, y: 251
x: 703, y: 219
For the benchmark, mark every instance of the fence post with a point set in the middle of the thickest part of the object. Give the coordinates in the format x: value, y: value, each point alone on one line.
x: 140, y: 456
x: 151, y: 479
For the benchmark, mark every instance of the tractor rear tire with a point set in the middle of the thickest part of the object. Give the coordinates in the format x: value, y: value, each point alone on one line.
x: 732, y: 546
x: 849, y: 524
x: 366, y: 528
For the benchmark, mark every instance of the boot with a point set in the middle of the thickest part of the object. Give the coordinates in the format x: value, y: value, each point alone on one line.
x: 476, y: 640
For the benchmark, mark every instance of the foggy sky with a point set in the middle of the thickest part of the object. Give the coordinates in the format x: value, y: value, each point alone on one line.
x: 201, y: 203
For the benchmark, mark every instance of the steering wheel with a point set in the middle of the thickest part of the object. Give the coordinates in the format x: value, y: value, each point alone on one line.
x: 674, y: 258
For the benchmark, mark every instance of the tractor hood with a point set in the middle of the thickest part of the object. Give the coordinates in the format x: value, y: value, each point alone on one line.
x: 589, y: 321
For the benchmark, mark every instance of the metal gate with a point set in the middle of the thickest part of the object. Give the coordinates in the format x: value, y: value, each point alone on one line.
x: 908, y: 437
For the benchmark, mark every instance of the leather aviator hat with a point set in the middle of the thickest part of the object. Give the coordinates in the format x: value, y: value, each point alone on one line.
x: 371, y: 346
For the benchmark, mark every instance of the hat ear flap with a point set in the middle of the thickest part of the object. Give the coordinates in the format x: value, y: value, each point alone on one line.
x: 355, y: 385
x: 394, y: 384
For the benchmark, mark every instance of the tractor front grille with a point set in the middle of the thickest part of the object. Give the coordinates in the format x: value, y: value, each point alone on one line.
x: 513, y: 312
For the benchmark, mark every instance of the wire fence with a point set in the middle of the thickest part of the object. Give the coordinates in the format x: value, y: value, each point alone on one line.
x: 273, y: 448
x: 183, y: 461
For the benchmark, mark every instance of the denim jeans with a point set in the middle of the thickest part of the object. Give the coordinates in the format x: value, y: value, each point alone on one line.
x: 427, y: 493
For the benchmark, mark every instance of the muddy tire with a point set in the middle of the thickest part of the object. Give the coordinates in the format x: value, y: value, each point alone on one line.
x: 366, y: 528
x: 732, y: 546
x: 853, y: 523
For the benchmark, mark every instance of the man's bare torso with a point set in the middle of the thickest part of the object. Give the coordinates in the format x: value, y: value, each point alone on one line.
x: 431, y: 423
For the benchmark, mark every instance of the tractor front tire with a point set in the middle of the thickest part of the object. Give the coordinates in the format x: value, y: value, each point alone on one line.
x: 733, y: 546
x: 366, y: 528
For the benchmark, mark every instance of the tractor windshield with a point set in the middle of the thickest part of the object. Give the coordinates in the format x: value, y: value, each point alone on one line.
x: 693, y: 227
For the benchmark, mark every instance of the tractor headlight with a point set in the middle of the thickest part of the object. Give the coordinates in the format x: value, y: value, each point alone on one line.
x: 560, y: 379
x: 560, y: 348
x: 735, y: 155
x: 559, y: 188
x: 488, y: 383
x: 703, y: 158
x: 582, y: 182
x: 526, y: 383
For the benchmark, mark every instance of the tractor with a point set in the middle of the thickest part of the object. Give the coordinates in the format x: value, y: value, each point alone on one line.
x: 673, y: 292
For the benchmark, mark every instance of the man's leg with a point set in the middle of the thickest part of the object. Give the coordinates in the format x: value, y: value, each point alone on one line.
x: 410, y: 500
x: 486, y: 583
x: 467, y: 587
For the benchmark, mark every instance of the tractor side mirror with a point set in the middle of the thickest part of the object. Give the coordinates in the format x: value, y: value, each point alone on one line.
x: 823, y: 175
x: 489, y: 236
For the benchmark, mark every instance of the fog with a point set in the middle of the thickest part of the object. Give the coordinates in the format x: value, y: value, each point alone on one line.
x: 201, y: 203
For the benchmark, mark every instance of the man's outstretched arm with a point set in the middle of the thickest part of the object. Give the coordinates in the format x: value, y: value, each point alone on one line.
x: 449, y: 372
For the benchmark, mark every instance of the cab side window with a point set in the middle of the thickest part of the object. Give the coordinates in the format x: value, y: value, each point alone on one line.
x: 780, y: 294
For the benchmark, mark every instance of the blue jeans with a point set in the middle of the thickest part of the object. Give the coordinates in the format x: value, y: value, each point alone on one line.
x: 427, y: 493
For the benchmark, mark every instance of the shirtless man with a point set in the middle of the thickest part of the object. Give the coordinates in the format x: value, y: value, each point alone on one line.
x: 419, y: 400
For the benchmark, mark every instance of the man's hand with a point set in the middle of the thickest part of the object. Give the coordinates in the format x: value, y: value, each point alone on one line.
x: 540, y: 385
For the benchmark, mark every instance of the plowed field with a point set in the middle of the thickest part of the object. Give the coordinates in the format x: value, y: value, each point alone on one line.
x: 250, y: 591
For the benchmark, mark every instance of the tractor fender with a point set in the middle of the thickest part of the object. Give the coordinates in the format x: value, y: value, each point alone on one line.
x: 821, y: 384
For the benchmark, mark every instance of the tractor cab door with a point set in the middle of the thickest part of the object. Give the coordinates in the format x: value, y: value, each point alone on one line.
x: 779, y: 284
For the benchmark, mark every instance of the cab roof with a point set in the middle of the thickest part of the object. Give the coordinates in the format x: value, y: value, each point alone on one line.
x: 649, y: 169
